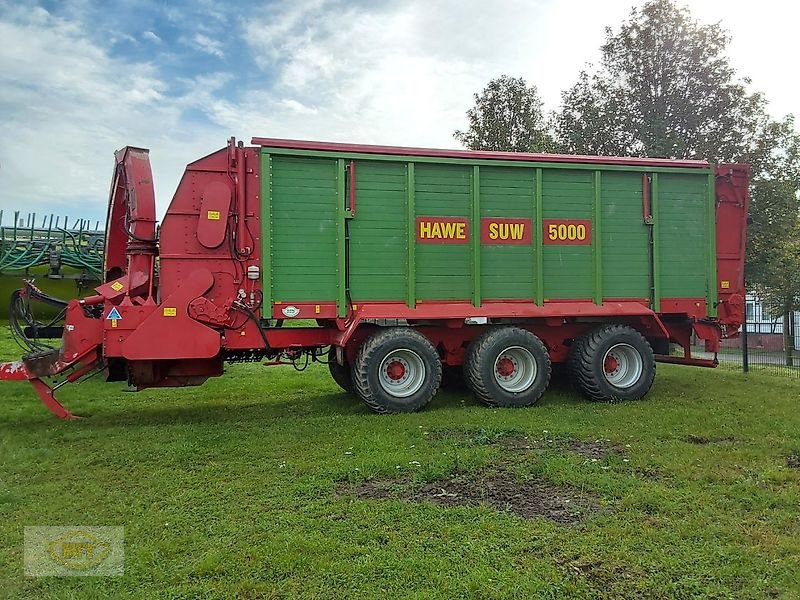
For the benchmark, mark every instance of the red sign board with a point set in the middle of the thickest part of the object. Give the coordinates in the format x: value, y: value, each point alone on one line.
x: 442, y: 230
x: 503, y: 230
x: 568, y: 232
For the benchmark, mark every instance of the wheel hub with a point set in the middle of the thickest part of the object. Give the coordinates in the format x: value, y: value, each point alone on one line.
x: 506, y: 367
x: 396, y: 370
x: 611, y: 364
x: 623, y: 365
x: 402, y: 373
x: 515, y: 369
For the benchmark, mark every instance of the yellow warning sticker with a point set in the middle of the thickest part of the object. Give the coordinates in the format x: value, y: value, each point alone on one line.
x: 114, y: 324
x: 170, y: 311
x: 213, y: 215
x: 117, y: 286
x: 725, y: 284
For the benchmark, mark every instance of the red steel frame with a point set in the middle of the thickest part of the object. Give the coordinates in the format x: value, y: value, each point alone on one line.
x: 175, y: 332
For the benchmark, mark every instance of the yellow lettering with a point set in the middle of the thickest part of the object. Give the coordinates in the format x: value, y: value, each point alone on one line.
x: 460, y: 231
x: 492, y: 231
x: 437, y: 230
x: 448, y: 230
x: 424, y: 229
x: 503, y: 230
x: 517, y: 231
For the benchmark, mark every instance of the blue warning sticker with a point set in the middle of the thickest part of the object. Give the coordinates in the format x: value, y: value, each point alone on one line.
x: 114, y: 315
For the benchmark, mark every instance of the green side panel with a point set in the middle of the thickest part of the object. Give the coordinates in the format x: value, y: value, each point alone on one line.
x: 625, y: 238
x: 507, y: 271
x: 443, y: 270
x: 304, y: 229
x: 568, y: 270
x: 683, y: 231
x: 378, y: 232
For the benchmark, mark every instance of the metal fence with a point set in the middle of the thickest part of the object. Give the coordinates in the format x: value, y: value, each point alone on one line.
x: 768, y: 343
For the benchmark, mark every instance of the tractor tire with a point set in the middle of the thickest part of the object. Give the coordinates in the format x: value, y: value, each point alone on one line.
x: 396, y: 370
x: 508, y: 367
x: 612, y: 363
x: 342, y: 375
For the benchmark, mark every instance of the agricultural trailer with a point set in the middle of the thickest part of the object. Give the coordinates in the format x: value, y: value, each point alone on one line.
x: 402, y: 265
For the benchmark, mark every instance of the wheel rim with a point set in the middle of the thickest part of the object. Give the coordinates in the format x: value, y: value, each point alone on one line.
x: 402, y: 373
x: 622, y: 365
x: 515, y: 369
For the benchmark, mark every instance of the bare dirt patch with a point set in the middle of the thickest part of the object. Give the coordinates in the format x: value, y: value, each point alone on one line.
x: 701, y: 440
x: 597, y: 450
x: 502, y: 491
x: 793, y: 461
x: 514, y: 441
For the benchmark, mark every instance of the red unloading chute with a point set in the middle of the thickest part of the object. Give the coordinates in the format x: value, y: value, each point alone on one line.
x: 129, y: 272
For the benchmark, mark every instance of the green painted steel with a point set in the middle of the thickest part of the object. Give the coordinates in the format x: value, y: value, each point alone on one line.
x: 314, y: 248
x: 480, y: 162
x: 305, y: 209
x: 711, y: 249
x: 341, y: 241
x: 378, y: 233
x: 682, y: 219
x: 655, y: 204
x: 625, y: 261
x: 507, y: 272
x: 597, y: 245
x: 444, y: 271
x: 475, y: 238
x: 266, y: 228
x: 539, y: 237
x: 411, y: 242
x: 568, y: 270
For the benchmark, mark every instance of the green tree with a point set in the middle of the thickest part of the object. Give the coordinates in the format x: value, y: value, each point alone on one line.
x: 664, y: 87
x: 773, y: 250
x: 507, y: 116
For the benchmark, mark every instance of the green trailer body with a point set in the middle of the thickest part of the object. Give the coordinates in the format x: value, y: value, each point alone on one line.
x: 317, y: 250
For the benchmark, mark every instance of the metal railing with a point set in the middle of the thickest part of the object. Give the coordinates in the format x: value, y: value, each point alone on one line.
x: 24, y: 245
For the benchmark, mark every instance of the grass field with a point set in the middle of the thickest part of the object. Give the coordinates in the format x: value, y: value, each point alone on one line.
x: 269, y: 483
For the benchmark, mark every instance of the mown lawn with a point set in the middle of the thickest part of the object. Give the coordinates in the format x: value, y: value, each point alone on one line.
x: 248, y: 487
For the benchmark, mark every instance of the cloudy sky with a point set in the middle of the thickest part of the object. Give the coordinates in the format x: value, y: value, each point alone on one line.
x: 81, y: 78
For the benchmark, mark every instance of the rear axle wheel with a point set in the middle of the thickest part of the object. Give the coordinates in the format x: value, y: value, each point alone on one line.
x: 397, y: 370
x: 613, y: 362
x: 508, y: 366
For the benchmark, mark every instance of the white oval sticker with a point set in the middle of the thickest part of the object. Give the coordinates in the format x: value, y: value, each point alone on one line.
x: 290, y: 311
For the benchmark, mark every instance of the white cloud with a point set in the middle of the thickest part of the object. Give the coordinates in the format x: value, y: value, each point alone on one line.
x: 208, y: 45
x: 396, y: 73
x: 149, y: 35
x: 67, y: 105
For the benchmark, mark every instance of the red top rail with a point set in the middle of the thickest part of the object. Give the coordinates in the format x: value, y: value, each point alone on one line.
x: 630, y: 161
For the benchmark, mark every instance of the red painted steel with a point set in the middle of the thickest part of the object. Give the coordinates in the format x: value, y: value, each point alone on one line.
x: 442, y: 230
x: 647, y: 214
x: 733, y: 200
x: 691, y: 362
x: 212, y: 222
x: 352, y: 188
x: 477, y: 154
x: 497, y: 231
x: 567, y: 232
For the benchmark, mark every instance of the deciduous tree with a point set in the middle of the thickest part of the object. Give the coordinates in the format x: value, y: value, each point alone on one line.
x: 507, y: 115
